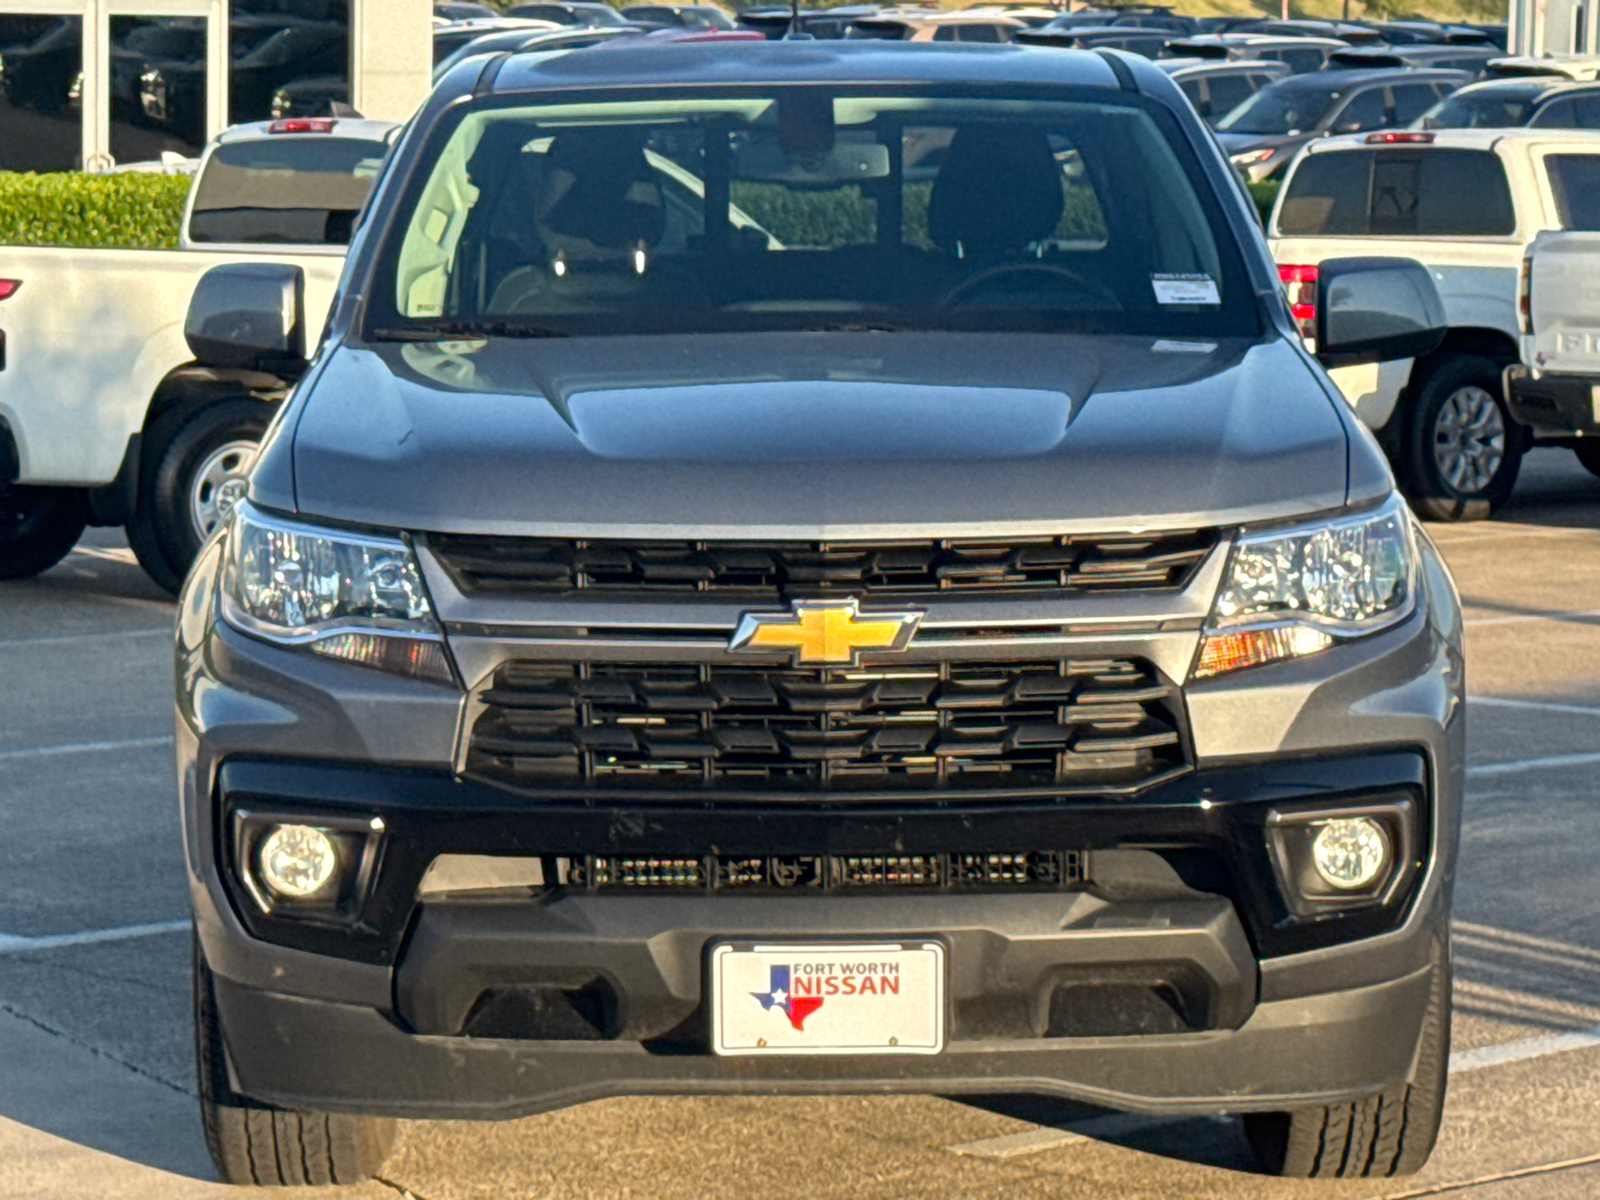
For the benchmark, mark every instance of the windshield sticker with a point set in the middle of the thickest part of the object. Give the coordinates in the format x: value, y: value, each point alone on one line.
x: 1164, y: 346
x: 1185, y: 289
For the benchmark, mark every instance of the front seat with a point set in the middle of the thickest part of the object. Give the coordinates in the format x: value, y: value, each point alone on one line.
x: 998, y: 191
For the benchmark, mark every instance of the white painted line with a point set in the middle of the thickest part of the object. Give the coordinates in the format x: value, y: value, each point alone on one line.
x: 1524, y: 618
x: 1494, y: 933
x: 85, y: 748
x: 64, y: 638
x: 109, y: 553
x: 12, y: 944
x: 1520, y: 1051
x: 1114, y: 1125
x: 1585, y: 710
x: 1584, y: 759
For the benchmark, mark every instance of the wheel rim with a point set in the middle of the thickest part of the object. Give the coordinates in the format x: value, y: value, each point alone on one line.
x: 219, y: 483
x: 1469, y: 439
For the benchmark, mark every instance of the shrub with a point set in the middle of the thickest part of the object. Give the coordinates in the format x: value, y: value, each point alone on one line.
x: 1264, y: 193
x: 69, y: 208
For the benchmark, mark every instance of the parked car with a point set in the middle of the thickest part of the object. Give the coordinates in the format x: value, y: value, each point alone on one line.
x: 463, y: 10
x: 1345, y: 31
x: 1420, y: 33
x: 1147, y: 43
x: 568, y: 12
x: 1465, y: 203
x: 1216, y: 88
x: 106, y: 419
x: 1545, y: 102
x: 1472, y: 59
x: 536, y: 39
x: 680, y: 16
x: 641, y: 664
x: 447, y: 39
x: 774, y: 21
x: 898, y: 26
x: 1299, y: 54
x: 1584, y: 68
x: 1262, y: 136
x: 1552, y: 390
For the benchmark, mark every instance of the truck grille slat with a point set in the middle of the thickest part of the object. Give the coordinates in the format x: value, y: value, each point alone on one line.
x: 547, y: 566
x: 1026, y: 723
x: 832, y: 872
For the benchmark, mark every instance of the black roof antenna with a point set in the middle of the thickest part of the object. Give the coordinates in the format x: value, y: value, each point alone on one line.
x: 794, y: 33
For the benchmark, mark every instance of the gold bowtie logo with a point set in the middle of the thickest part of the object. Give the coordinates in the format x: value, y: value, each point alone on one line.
x: 825, y: 631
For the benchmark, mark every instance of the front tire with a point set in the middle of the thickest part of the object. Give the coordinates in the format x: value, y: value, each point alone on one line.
x: 254, y: 1145
x: 196, y: 472
x: 1389, y: 1133
x: 38, y: 528
x: 1463, y: 449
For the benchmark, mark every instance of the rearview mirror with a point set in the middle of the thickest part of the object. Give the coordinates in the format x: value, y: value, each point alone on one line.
x: 249, y: 316
x: 1376, y: 310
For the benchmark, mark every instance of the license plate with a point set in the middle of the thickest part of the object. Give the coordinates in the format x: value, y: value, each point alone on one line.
x: 828, y: 998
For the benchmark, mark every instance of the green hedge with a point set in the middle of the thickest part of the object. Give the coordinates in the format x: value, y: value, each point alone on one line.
x: 1265, y: 194
x: 69, y: 208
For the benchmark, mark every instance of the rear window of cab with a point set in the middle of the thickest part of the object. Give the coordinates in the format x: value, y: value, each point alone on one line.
x: 1400, y: 192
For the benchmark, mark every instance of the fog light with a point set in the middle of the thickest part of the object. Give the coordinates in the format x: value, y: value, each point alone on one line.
x: 296, y: 861
x: 1351, y: 853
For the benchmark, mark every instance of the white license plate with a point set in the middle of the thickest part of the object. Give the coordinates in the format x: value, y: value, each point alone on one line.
x: 827, y: 998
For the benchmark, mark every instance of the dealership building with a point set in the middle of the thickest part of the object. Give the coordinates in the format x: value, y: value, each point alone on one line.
x: 100, y: 83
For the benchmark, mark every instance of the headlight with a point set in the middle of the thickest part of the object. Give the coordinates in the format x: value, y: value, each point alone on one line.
x: 345, y: 595
x: 1250, y: 157
x: 1292, y: 592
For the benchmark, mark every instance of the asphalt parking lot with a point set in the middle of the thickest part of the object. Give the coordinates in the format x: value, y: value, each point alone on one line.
x: 96, y: 1087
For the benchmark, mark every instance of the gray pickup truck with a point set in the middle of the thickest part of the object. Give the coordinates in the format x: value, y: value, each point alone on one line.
x: 817, y: 568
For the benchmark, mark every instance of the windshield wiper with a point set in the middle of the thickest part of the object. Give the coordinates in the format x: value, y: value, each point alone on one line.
x: 466, y: 328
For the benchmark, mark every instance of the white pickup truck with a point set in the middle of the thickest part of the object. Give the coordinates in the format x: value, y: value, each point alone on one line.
x: 1465, y: 203
x: 104, y: 418
x: 1555, y: 389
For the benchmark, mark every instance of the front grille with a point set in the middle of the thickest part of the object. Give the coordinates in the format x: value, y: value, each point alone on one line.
x: 777, y: 570
x: 830, y: 872
x: 1005, y: 724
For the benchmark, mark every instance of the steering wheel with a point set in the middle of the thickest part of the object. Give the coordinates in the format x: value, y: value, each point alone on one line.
x: 962, y: 292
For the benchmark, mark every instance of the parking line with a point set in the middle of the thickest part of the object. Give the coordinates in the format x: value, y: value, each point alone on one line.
x: 1523, y: 618
x: 1539, y: 705
x: 13, y: 944
x: 85, y: 748
x: 62, y: 638
x: 1114, y: 1125
x: 109, y: 553
x: 1584, y: 759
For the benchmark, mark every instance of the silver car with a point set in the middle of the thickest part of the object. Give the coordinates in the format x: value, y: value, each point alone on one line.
x: 830, y: 570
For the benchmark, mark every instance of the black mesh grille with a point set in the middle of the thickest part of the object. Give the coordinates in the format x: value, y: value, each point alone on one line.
x: 1106, y: 721
x: 778, y: 569
x: 832, y: 872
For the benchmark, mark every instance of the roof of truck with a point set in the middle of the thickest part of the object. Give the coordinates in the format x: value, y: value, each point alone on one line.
x: 349, y: 127
x: 1453, y: 139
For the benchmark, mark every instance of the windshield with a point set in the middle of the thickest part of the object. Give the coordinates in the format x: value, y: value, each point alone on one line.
x: 1280, y: 109
x: 1485, y: 110
x: 824, y: 209
x: 300, y: 190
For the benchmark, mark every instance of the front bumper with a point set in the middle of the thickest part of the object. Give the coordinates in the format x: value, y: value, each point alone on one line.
x: 377, y: 1014
x: 1553, y: 404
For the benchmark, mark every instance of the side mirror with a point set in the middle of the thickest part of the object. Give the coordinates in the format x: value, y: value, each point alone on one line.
x: 250, y: 316
x: 1376, y: 309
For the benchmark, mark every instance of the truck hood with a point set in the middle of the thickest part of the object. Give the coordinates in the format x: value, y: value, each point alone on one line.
x: 813, y: 435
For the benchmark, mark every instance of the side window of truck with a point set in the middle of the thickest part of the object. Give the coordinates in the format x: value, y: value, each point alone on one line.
x: 1364, y: 111
x: 1398, y: 193
x: 1571, y: 112
x: 1411, y: 100
x: 1575, y: 182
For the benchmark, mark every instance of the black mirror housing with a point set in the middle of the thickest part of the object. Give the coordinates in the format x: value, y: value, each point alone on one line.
x: 1376, y: 310
x: 250, y: 316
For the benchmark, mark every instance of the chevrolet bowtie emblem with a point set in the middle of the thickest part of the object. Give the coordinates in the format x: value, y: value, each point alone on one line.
x: 825, y: 631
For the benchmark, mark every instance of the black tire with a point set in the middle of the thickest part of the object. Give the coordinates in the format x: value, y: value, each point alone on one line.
x: 163, y: 532
x: 1460, y: 384
x: 1390, y: 1133
x: 253, y: 1144
x: 38, y: 528
x: 1588, y: 453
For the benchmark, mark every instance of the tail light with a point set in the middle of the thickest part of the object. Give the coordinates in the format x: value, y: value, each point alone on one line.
x: 303, y: 125
x: 1525, y: 295
x: 1300, y: 285
x: 8, y: 288
x: 1399, y: 137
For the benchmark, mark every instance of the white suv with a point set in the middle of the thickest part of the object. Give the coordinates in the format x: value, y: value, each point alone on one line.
x: 1465, y: 203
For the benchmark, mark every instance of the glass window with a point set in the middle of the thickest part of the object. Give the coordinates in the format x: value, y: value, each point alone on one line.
x: 1411, y: 100
x: 1191, y: 88
x: 41, y: 92
x: 1575, y: 180
x: 303, y: 190
x: 1300, y: 61
x: 288, y: 58
x: 1435, y: 193
x: 1364, y: 111
x: 158, y: 87
x: 1288, y: 107
x: 1495, y: 108
x: 897, y: 208
x: 1572, y: 112
x: 1228, y: 92
x: 980, y: 33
